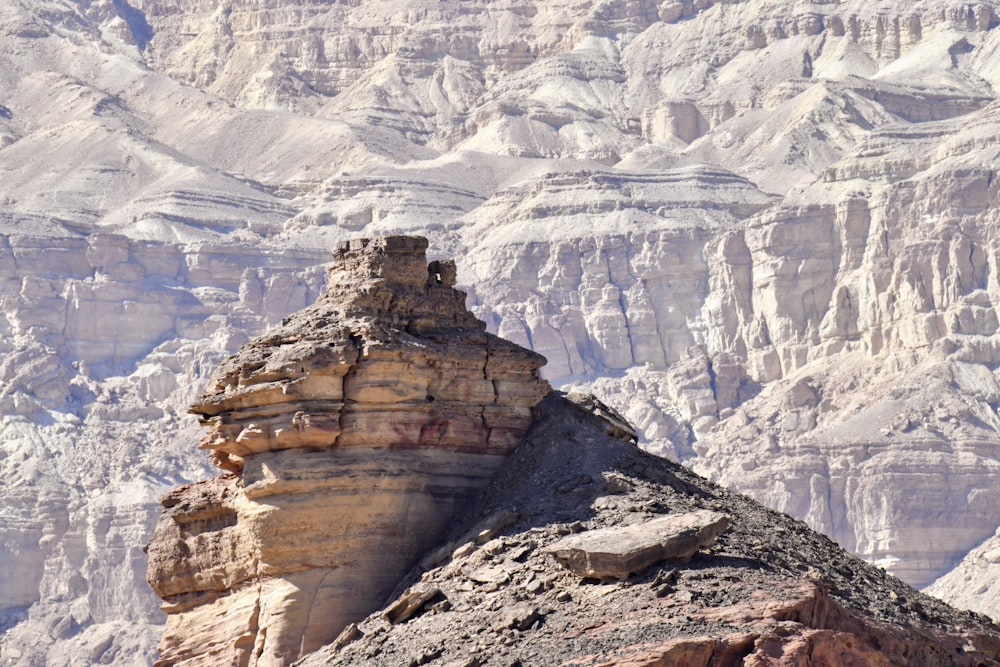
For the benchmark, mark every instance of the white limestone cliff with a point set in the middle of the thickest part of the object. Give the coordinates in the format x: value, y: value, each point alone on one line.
x: 764, y: 231
x: 972, y: 584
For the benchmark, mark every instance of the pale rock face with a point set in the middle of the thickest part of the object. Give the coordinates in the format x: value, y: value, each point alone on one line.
x: 869, y: 469
x: 357, y: 430
x: 691, y: 207
x: 98, y: 367
x: 972, y: 583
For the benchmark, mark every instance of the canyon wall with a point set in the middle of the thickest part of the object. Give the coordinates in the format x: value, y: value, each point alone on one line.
x: 764, y: 231
x: 106, y: 341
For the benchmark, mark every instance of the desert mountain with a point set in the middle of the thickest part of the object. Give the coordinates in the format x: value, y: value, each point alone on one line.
x: 379, y: 444
x: 765, y: 231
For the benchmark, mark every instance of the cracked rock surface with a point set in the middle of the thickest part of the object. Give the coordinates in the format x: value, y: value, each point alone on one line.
x: 351, y: 435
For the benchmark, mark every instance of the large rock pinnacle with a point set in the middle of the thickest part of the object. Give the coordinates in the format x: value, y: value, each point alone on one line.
x: 351, y: 434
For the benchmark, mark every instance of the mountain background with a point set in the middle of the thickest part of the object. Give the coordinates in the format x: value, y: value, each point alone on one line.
x: 766, y: 231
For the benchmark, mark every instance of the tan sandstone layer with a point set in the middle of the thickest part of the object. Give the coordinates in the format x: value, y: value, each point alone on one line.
x: 352, y: 434
x: 768, y: 184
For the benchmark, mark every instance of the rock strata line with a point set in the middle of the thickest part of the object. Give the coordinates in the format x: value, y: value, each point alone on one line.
x: 350, y: 436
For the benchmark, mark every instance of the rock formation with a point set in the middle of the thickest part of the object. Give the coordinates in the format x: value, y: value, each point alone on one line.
x: 379, y: 444
x: 765, y: 592
x: 762, y: 229
x: 618, y: 552
x: 353, y: 433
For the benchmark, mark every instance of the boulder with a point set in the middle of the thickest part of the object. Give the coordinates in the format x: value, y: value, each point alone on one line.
x: 619, y: 552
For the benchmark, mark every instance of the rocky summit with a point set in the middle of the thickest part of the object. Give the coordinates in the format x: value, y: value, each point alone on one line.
x: 352, y: 434
x: 380, y: 445
x: 727, y: 583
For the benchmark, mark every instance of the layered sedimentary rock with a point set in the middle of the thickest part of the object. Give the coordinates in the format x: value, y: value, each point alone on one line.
x: 763, y: 590
x: 104, y: 340
x: 353, y: 433
x: 704, y: 211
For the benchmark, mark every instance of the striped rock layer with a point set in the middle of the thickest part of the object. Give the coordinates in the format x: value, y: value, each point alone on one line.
x: 350, y: 436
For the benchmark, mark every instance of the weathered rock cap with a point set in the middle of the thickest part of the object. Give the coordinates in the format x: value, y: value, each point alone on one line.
x: 617, y: 553
x: 388, y: 278
x: 388, y: 357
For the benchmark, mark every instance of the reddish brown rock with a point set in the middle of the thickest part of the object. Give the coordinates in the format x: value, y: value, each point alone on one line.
x: 353, y: 433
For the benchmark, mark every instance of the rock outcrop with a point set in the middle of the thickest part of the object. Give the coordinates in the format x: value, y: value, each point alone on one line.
x: 353, y: 433
x: 764, y: 230
x: 380, y: 445
x: 768, y: 591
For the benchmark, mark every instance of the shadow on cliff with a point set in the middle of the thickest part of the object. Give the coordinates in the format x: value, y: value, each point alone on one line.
x: 137, y: 23
x: 578, y: 453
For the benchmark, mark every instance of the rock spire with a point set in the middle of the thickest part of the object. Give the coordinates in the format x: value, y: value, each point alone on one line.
x: 350, y: 436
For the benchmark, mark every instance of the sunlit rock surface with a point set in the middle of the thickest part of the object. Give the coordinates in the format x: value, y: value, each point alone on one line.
x: 706, y: 211
x: 357, y: 430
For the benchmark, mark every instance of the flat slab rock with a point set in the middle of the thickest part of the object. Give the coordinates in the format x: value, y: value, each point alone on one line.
x: 617, y: 553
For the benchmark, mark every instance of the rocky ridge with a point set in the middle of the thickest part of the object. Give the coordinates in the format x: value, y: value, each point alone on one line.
x: 353, y: 433
x: 765, y: 590
x: 380, y: 444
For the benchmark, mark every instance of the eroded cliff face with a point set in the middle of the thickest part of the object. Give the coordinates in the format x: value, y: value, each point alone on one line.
x: 762, y: 229
x: 104, y: 342
x: 353, y: 433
